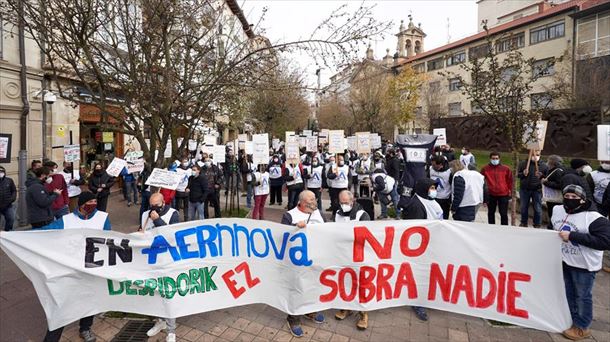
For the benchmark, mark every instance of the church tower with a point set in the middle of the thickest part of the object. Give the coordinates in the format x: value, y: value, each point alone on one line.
x: 410, y: 39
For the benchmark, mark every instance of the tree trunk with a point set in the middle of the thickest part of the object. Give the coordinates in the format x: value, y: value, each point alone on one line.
x: 513, y: 205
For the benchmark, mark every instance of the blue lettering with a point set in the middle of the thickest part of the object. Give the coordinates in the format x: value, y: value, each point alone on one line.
x: 230, y: 231
x: 244, y: 230
x: 253, y: 245
x: 158, y: 246
x: 278, y: 254
x: 209, y: 241
x: 183, y: 246
x: 299, y: 250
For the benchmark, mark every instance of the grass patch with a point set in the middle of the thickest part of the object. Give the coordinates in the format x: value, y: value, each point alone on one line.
x: 482, y: 158
x: 235, y: 213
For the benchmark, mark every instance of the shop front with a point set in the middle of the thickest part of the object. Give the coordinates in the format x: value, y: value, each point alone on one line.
x: 97, y: 142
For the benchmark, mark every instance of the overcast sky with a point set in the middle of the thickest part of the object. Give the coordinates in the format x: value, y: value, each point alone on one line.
x: 287, y: 20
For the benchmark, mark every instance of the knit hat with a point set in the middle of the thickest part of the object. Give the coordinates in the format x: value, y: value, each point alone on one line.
x: 576, y: 163
x: 575, y: 189
x: 85, y: 197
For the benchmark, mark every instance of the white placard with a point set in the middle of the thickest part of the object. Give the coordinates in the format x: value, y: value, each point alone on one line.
x: 441, y: 136
x: 220, y: 152
x: 192, y: 145
x: 603, y: 142
x: 375, y: 140
x: 323, y: 135
x: 209, y: 140
x: 416, y: 155
x: 537, y: 141
x: 135, y: 166
x: 249, y: 147
x: 307, y: 132
x: 208, y: 149
x: 275, y: 143
x: 293, y: 155
x: 311, y: 144
x: 71, y: 153
x: 116, y: 166
x: 363, y: 142
x: 260, y: 146
x: 289, y: 134
x: 335, y: 141
x: 162, y: 178
x: 184, y: 178
x: 4, y: 147
x: 302, y: 141
x: 352, y: 143
x: 133, y: 156
x: 168, y: 148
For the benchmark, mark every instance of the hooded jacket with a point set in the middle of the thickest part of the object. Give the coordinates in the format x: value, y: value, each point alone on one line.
x: 97, y: 179
x: 415, y: 209
x: 499, y: 179
x: 38, y: 201
x: 8, y: 192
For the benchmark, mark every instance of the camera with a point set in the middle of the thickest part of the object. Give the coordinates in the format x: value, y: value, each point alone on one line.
x: 49, y: 97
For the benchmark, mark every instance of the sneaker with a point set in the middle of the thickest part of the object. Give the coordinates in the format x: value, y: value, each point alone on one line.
x: 171, y: 337
x: 295, y: 327
x: 129, y: 204
x: 87, y: 336
x: 363, y: 322
x: 420, y: 313
x: 342, y: 314
x: 329, y: 209
x: 536, y: 226
x: 160, y: 325
x: 576, y: 333
x: 317, y: 317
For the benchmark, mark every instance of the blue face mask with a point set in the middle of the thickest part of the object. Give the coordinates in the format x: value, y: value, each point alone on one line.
x: 495, y: 162
x: 432, y: 194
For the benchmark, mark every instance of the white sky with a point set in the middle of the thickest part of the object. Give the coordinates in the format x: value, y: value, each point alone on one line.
x: 287, y: 20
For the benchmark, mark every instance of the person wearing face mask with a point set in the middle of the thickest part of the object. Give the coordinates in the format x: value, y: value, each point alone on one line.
x: 159, y: 215
x: 8, y: 195
x: 74, y: 181
x: 261, y: 191
x: 468, y: 191
x: 339, y: 180
x: 276, y: 180
x: 306, y: 212
x: 214, y: 177
x: 552, y: 180
x: 598, y: 181
x: 100, y: 183
x: 441, y: 174
x: 60, y: 205
x: 384, y: 186
x: 247, y: 168
x: 364, y: 167
x: 313, y: 179
x: 293, y: 174
x: 467, y: 159
x: 530, y: 188
x: 39, y: 200
x: 585, y: 234
x: 85, y: 216
x: 198, y: 191
x: 499, y: 180
x: 576, y: 174
x: 181, y: 200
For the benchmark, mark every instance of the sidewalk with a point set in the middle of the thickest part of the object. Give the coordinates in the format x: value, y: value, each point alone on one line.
x: 22, y: 318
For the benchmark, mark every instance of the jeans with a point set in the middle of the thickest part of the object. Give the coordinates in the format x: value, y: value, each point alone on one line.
x: 293, y: 196
x: 9, y: 217
x: 249, y: 193
x: 579, y: 292
x: 466, y: 214
x: 85, y: 324
x: 61, y: 212
x: 502, y: 203
x: 212, y: 198
x: 182, y: 203
x: 144, y: 205
x: 128, y: 189
x: 355, y: 185
x: 196, y: 208
x: 395, y: 198
x: 536, y: 198
x: 275, y: 195
x: 259, y: 207
x: 445, y: 204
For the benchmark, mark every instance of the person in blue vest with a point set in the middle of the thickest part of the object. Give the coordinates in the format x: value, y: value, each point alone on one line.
x: 85, y: 215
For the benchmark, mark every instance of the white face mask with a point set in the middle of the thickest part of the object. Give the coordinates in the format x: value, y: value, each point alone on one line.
x: 2, y: 175
x: 587, y: 169
x: 346, y: 207
x: 604, y: 166
x: 536, y: 158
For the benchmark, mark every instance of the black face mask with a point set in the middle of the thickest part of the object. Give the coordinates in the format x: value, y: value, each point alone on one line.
x: 156, y: 208
x: 571, y: 204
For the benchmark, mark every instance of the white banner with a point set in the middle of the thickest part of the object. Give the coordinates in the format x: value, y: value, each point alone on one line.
x: 441, y: 136
x: 162, y: 178
x: 71, y: 153
x: 116, y: 166
x: 507, y: 274
x: 260, y: 144
x: 311, y: 145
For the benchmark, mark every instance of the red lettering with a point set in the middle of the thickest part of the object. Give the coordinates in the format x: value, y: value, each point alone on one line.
x: 231, y: 284
x: 250, y: 282
x: 404, y: 241
x: 324, y: 280
x: 362, y: 234
x: 501, y: 290
x: 487, y: 300
x: 463, y: 282
x: 354, y: 290
x: 366, y: 288
x: 512, y: 294
x: 405, y: 278
x: 384, y: 289
x: 437, y: 279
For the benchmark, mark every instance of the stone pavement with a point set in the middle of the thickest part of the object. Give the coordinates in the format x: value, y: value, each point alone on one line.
x: 22, y: 318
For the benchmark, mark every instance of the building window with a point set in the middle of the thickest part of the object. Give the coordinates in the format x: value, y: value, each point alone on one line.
x: 435, y: 64
x: 543, y: 67
x: 547, y: 32
x: 479, y: 51
x: 541, y: 101
x: 593, y: 36
x: 455, y: 84
x: 456, y: 58
x: 419, y: 68
x: 455, y: 109
x: 507, y: 74
x: 511, y: 43
x: 435, y: 86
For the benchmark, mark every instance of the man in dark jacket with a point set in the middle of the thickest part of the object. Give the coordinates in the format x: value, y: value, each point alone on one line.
x: 60, y: 205
x: 100, y: 183
x: 36, y: 164
x: 392, y: 165
x: 531, y: 188
x: 182, y: 197
x: 214, y: 178
x: 575, y: 174
x: 499, y: 180
x: 552, y: 180
x: 38, y: 200
x: 197, y: 191
x: 8, y: 195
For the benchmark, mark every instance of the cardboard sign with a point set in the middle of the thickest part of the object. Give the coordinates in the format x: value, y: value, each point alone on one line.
x: 307, y: 132
x: 260, y: 144
x: 537, y: 141
x: 441, y: 136
x: 603, y: 142
x: 323, y: 135
x: 249, y: 147
x: 192, y: 145
x: 133, y: 156
x: 71, y: 153
x: 335, y: 141
x: 135, y: 166
x: 311, y: 144
x: 208, y: 149
x: 375, y: 141
x: 363, y: 142
x: 352, y: 143
x: 116, y: 166
x: 220, y: 153
x: 107, y: 137
x: 184, y: 178
x: 302, y: 141
x: 289, y: 134
x: 416, y: 155
x: 275, y: 143
x: 293, y: 155
x: 162, y: 178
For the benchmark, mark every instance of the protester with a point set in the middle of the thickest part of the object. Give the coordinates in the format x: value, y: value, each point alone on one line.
x: 585, y: 234
x: 160, y: 214
x: 313, y: 179
x: 294, y: 182
x: 306, y: 212
x: 73, y: 180
x: 598, y: 181
x: 385, y: 186
x: 353, y: 163
x: 214, y: 178
x: 197, y: 191
x: 36, y: 164
x: 499, y: 181
x: 378, y: 161
x: 467, y: 192
x: 38, y: 200
x: 530, y: 188
x: 247, y: 170
x: 60, y: 205
x: 576, y: 173
x: 339, y: 178
x: 552, y: 180
x: 448, y: 153
x: 181, y: 200
x: 100, y: 183
x: 440, y: 173
x: 350, y: 211
x: 392, y: 164
x: 8, y: 195
x: 276, y: 180
x: 261, y: 191
x: 130, y: 188
x: 144, y: 189
x: 467, y: 159
x: 364, y: 168
x: 85, y: 216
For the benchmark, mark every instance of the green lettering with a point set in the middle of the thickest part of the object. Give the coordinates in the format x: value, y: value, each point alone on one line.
x: 194, y: 277
x: 138, y: 286
x: 169, y: 285
x: 112, y: 291
x: 128, y: 290
x: 183, y: 279
x: 151, y: 285
x: 207, y: 274
x: 161, y: 286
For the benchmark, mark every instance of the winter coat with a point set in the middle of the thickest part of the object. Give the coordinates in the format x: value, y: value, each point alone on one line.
x: 8, y: 192
x: 96, y: 181
x: 499, y: 179
x: 198, y: 188
x: 531, y: 181
x: 59, y: 182
x: 38, y: 201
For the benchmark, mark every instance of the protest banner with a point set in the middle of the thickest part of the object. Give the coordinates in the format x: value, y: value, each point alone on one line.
x: 375, y: 140
x: 184, y: 178
x: 135, y: 166
x: 441, y: 136
x: 162, y: 178
x: 603, y: 142
x: 335, y: 141
x: 352, y: 143
x: 220, y: 153
x: 363, y: 142
x: 311, y: 144
x: 116, y: 166
x: 293, y: 155
x: 260, y: 143
x: 506, y: 274
x: 249, y: 147
x: 535, y: 142
x: 71, y: 153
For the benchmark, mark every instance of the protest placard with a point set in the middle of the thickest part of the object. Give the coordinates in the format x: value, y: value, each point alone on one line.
x: 192, y: 145
x: 323, y: 136
x: 603, y: 142
x: 249, y: 147
x: 71, y: 153
x: 162, y: 178
x: 415, y: 155
x: 302, y: 141
x: 503, y: 273
x: 168, y: 148
x: 363, y: 142
x: 207, y: 149
x: 335, y: 141
x: 352, y: 143
x: 292, y: 152
x: 135, y: 166
x: 375, y: 140
x: 133, y: 155
x: 535, y: 142
x: 311, y: 144
x: 289, y: 134
x: 260, y: 143
x: 275, y: 143
x: 241, y: 141
x: 441, y: 136
x: 116, y: 166
x: 184, y: 178
x: 209, y: 139
x: 220, y: 152
x: 307, y: 132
